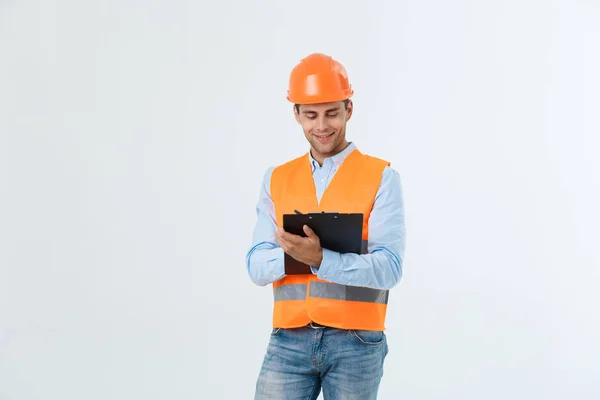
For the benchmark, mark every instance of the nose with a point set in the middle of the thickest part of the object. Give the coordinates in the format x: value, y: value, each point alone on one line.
x: 320, y: 124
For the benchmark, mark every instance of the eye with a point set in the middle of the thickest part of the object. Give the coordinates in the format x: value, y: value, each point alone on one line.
x: 332, y: 115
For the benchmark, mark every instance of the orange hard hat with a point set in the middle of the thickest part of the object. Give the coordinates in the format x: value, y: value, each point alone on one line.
x: 318, y: 78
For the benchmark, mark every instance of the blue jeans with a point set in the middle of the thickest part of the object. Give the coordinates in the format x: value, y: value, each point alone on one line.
x: 346, y: 364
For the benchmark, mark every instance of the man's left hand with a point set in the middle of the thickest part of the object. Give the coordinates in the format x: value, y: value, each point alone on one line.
x: 304, y: 249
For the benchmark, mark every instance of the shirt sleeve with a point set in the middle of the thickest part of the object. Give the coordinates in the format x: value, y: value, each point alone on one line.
x: 381, y: 268
x: 265, y: 259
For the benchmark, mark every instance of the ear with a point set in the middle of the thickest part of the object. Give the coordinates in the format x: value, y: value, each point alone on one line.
x: 350, y: 110
x: 296, y: 115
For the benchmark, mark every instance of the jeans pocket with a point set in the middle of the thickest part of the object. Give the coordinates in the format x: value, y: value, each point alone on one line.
x: 371, y: 338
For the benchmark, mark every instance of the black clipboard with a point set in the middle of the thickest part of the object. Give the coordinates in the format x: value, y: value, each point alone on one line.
x: 337, y: 232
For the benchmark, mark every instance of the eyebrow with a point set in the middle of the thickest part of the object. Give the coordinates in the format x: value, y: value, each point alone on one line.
x: 326, y: 111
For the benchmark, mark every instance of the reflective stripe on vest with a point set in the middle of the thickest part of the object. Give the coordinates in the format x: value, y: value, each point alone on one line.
x: 290, y: 292
x: 334, y: 291
x: 325, y: 290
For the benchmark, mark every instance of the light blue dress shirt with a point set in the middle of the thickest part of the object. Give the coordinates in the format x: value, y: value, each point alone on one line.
x: 381, y: 268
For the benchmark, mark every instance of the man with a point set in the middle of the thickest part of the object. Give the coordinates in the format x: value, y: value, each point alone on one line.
x: 328, y: 326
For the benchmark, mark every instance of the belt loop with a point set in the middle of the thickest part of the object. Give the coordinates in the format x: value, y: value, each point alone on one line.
x: 317, y: 326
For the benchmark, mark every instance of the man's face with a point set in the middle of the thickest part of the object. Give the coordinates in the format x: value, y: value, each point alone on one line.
x: 324, y: 127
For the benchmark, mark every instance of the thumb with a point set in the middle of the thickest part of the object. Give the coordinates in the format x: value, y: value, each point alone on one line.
x: 309, y: 232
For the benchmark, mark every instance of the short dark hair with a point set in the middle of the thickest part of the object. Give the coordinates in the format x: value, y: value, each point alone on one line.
x: 345, y: 105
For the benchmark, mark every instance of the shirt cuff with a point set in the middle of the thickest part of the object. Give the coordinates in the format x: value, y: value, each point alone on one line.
x: 330, y: 260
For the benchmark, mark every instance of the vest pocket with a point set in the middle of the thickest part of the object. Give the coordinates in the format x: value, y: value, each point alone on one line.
x: 371, y: 338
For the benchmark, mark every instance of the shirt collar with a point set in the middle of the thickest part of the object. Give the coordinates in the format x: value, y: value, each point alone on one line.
x: 337, y: 159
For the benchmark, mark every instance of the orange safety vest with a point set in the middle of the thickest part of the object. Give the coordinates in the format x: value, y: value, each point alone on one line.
x: 300, y: 299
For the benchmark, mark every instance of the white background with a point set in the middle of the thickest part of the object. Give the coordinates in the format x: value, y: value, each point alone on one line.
x: 133, y: 140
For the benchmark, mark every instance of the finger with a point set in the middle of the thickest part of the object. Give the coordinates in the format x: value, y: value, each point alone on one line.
x: 284, y: 247
x: 282, y: 235
x: 289, y: 247
x: 309, y: 232
x: 283, y: 242
x: 278, y: 233
x: 290, y: 237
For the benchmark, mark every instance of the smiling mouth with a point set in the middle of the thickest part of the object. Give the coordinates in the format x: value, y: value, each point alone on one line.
x: 323, y: 136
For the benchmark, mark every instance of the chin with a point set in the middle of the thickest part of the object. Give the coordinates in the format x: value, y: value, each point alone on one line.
x: 324, y: 147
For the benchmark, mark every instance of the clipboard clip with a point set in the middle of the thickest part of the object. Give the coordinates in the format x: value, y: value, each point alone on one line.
x: 322, y: 212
